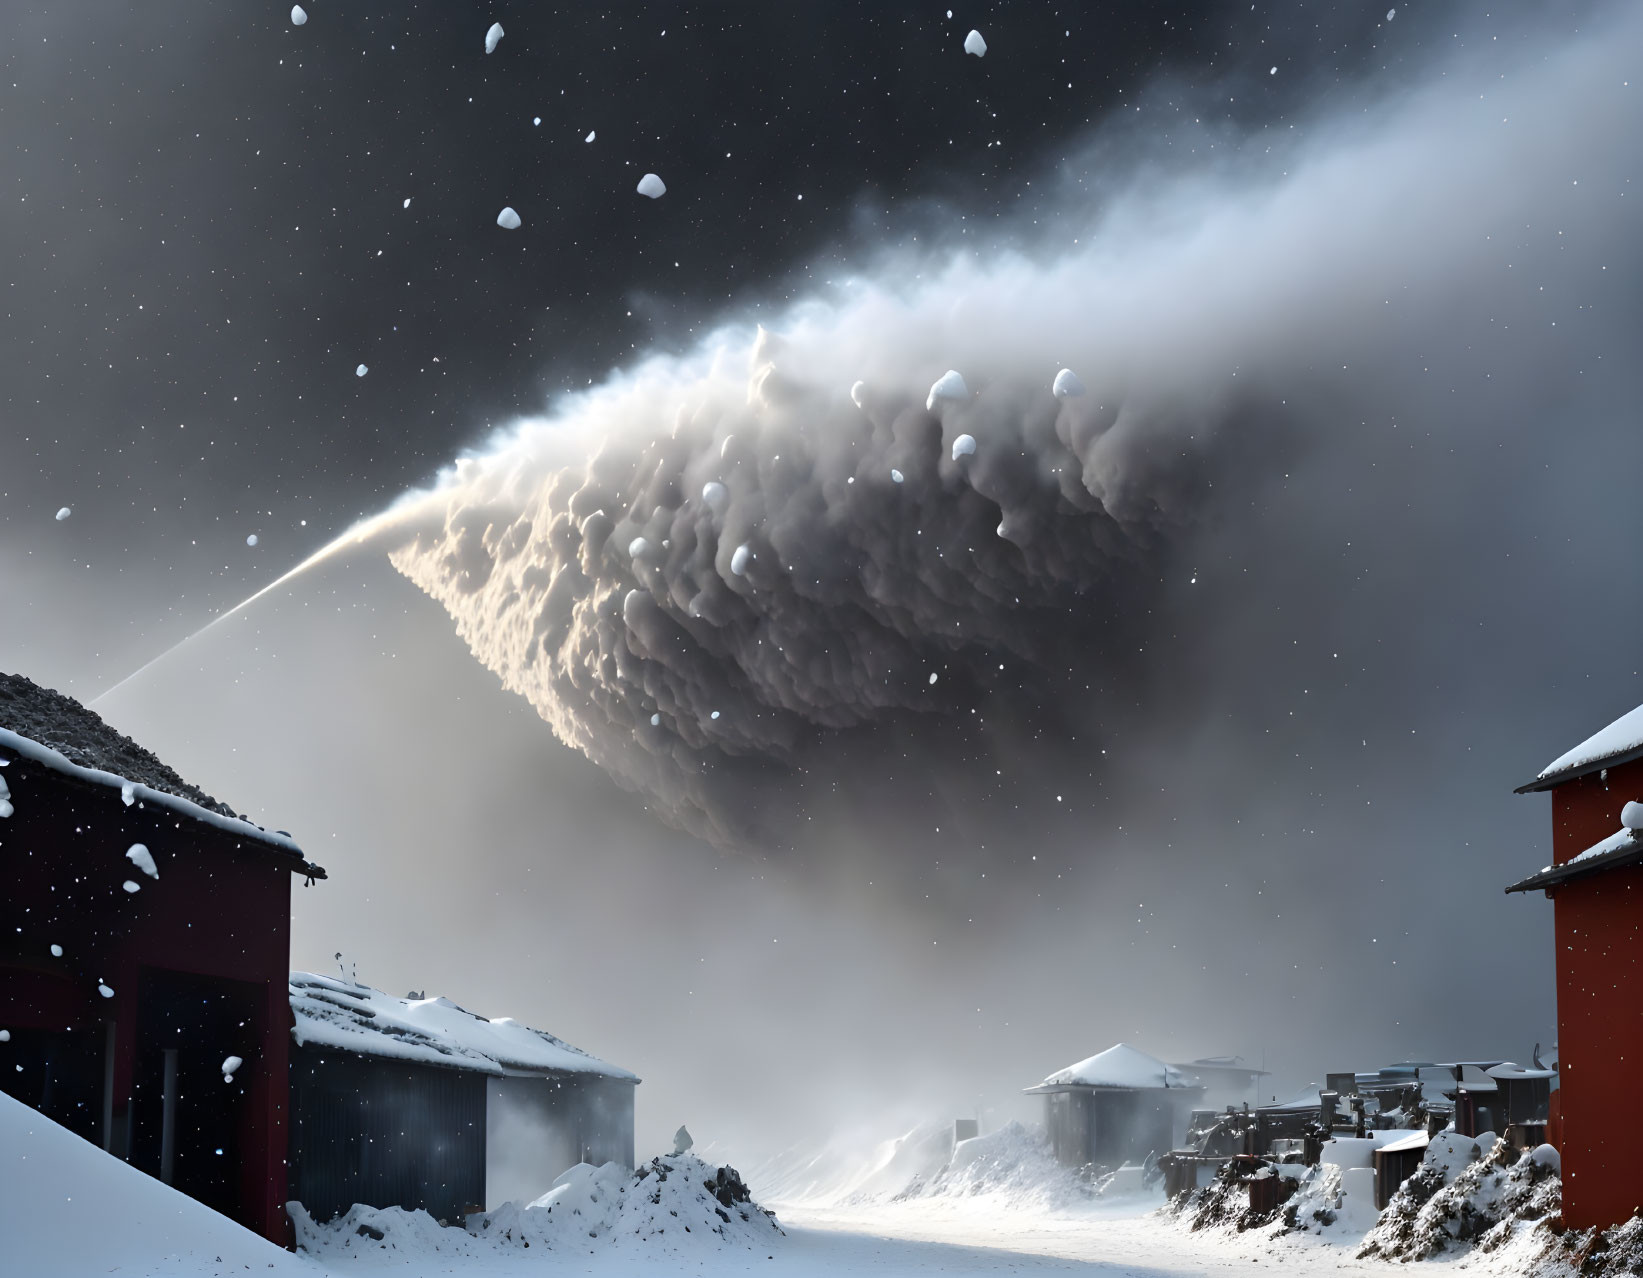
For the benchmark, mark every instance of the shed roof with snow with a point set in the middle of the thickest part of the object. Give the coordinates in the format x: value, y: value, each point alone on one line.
x: 1119, y: 1068
x: 56, y: 732
x: 1620, y: 742
x: 429, y: 1031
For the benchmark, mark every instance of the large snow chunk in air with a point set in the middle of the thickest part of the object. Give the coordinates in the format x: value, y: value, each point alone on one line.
x: 508, y: 220
x: 738, y: 560
x: 950, y: 385
x: 361, y: 370
x: 63, y: 513
x: 964, y: 446
x: 435, y: 1031
x: 1067, y: 385
x: 493, y: 37
x: 650, y: 184
x: 298, y: 16
x: 714, y: 494
x: 1121, y: 1066
x: 139, y: 855
x: 973, y: 43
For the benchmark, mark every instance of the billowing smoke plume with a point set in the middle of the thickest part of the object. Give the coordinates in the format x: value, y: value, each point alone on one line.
x: 770, y: 581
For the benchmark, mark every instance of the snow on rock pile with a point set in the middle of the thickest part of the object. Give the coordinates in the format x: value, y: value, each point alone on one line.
x: 676, y: 1204
x: 1488, y: 1203
x: 62, y: 724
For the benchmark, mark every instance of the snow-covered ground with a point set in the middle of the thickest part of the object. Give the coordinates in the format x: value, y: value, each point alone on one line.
x: 1000, y: 1205
x: 68, y: 1210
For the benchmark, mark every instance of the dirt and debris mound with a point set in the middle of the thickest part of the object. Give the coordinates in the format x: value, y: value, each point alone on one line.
x: 1487, y: 1205
x: 1225, y: 1203
x: 676, y: 1204
x: 62, y: 724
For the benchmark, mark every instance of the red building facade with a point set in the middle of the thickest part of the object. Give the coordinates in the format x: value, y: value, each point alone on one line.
x: 124, y: 993
x: 1596, y: 885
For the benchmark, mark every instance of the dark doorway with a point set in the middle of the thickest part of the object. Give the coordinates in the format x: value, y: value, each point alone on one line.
x: 189, y: 1124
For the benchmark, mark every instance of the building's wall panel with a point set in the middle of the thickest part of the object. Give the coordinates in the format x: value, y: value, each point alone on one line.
x: 385, y: 1133
x: 220, y: 910
x: 1599, y: 929
x: 537, y: 1128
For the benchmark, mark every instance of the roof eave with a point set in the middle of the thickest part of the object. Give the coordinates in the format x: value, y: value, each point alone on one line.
x: 1574, y: 772
x: 1570, y: 871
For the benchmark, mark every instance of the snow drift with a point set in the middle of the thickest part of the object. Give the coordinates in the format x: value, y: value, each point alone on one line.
x: 1012, y: 1166
x: 69, y: 1210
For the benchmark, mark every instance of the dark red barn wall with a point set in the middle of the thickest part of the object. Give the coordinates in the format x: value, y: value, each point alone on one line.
x: 1599, y: 930
x: 219, y: 913
x: 1587, y: 809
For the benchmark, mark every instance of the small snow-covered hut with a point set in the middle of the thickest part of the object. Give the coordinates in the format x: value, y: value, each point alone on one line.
x: 1595, y: 881
x: 414, y: 1102
x: 1116, y: 1107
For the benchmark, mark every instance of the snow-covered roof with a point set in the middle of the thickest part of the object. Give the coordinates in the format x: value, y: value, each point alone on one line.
x: 431, y: 1031
x: 59, y: 733
x: 1620, y: 742
x: 61, y: 724
x: 1511, y: 1069
x: 1233, y: 1064
x: 1622, y: 848
x: 1120, y: 1067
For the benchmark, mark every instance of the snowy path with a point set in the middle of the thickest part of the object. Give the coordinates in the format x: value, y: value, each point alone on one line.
x: 1111, y: 1241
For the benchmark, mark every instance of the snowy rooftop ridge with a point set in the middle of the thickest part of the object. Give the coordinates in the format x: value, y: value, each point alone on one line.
x: 24, y: 748
x: 1620, y: 742
x: 431, y: 1031
x: 80, y: 736
x: 1122, y: 1067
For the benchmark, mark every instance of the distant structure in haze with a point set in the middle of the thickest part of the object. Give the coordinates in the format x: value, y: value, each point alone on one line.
x: 1226, y: 1079
x: 1116, y: 1107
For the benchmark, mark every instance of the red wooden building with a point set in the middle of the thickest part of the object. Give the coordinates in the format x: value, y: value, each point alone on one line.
x: 144, y: 944
x: 1596, y: 885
